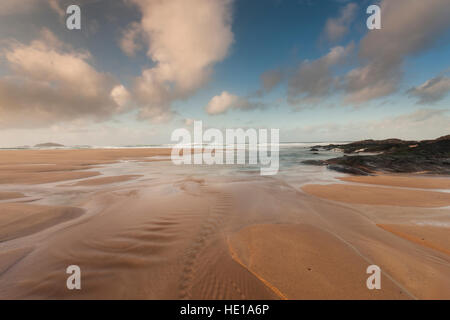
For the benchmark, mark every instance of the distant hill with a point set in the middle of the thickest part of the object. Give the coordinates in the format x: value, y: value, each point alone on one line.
x: 48, y: 144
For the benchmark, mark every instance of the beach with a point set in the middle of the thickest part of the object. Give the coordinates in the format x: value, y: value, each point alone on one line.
x: 140, y: 227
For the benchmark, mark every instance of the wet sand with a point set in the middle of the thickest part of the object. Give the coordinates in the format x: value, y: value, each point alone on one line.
x: 144, y: 229
x: 437, y: 238
x: 107, y: 180
x: 46, y: 166
x: 303, y: 262
x: 19, y: 220
x: 379, y: 195
x: 10, y: 195
x: 413, y: 181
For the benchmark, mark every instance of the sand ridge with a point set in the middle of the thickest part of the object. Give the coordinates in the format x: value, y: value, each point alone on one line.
x: 379, y: 195
x: 411, y: 181
x: 436, y: 238
x: 106, y: 180
x: 19, y: 219
x: 47, y: 166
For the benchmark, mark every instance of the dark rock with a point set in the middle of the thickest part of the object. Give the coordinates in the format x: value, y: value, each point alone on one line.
x: 347, y: 169
x: 428, y: 156
x: 315, y: 162
x: 48, y: 144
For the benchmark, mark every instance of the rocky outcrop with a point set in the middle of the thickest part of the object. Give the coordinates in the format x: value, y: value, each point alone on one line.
x: 48, y: 145
x: 394, y: 155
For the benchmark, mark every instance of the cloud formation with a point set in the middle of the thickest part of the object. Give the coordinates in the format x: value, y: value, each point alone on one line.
x: 185, y: 39
x: 416, y: 125
x: 17, y: 7
x: 131, y: 40
x: 12, y: 7
x: 50, y: 82
x: 336, y: 28
x: 408, y: 27
x: 222, y: 103
x: 314, y: 79
x: 432, y: 90
x: 270, y: 79
x: 226, y: 101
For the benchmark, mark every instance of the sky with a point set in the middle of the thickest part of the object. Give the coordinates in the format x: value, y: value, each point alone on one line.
x: 139, y: 69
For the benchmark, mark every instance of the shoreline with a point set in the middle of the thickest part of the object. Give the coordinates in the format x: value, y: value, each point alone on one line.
x: 162, y: 233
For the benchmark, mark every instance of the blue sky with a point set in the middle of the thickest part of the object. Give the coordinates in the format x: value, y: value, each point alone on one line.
x: 157, y: 66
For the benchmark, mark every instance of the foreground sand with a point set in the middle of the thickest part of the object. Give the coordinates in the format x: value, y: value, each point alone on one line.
x: 46, y: 166
x: 18, y: 220
x: 303, y: 262
x: 379, y: 195
x: 147, y: 231
x: 432, y: 237
x: 10, y: 195
x: 412, y: 181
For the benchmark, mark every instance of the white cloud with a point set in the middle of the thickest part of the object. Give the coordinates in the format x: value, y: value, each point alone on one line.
x: 57, y: 7
x: 121, y: 96
x: 314, y: 80
x: 185, y: 39
x: 417, y: 125
x: 336, y: 28
x: 131, y: 40
x: 8, y: 7
x: 432, y: 90
x: 408, y: 27
x: 51, y: 83
x: 220, y: 104
x: 226, y: 101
